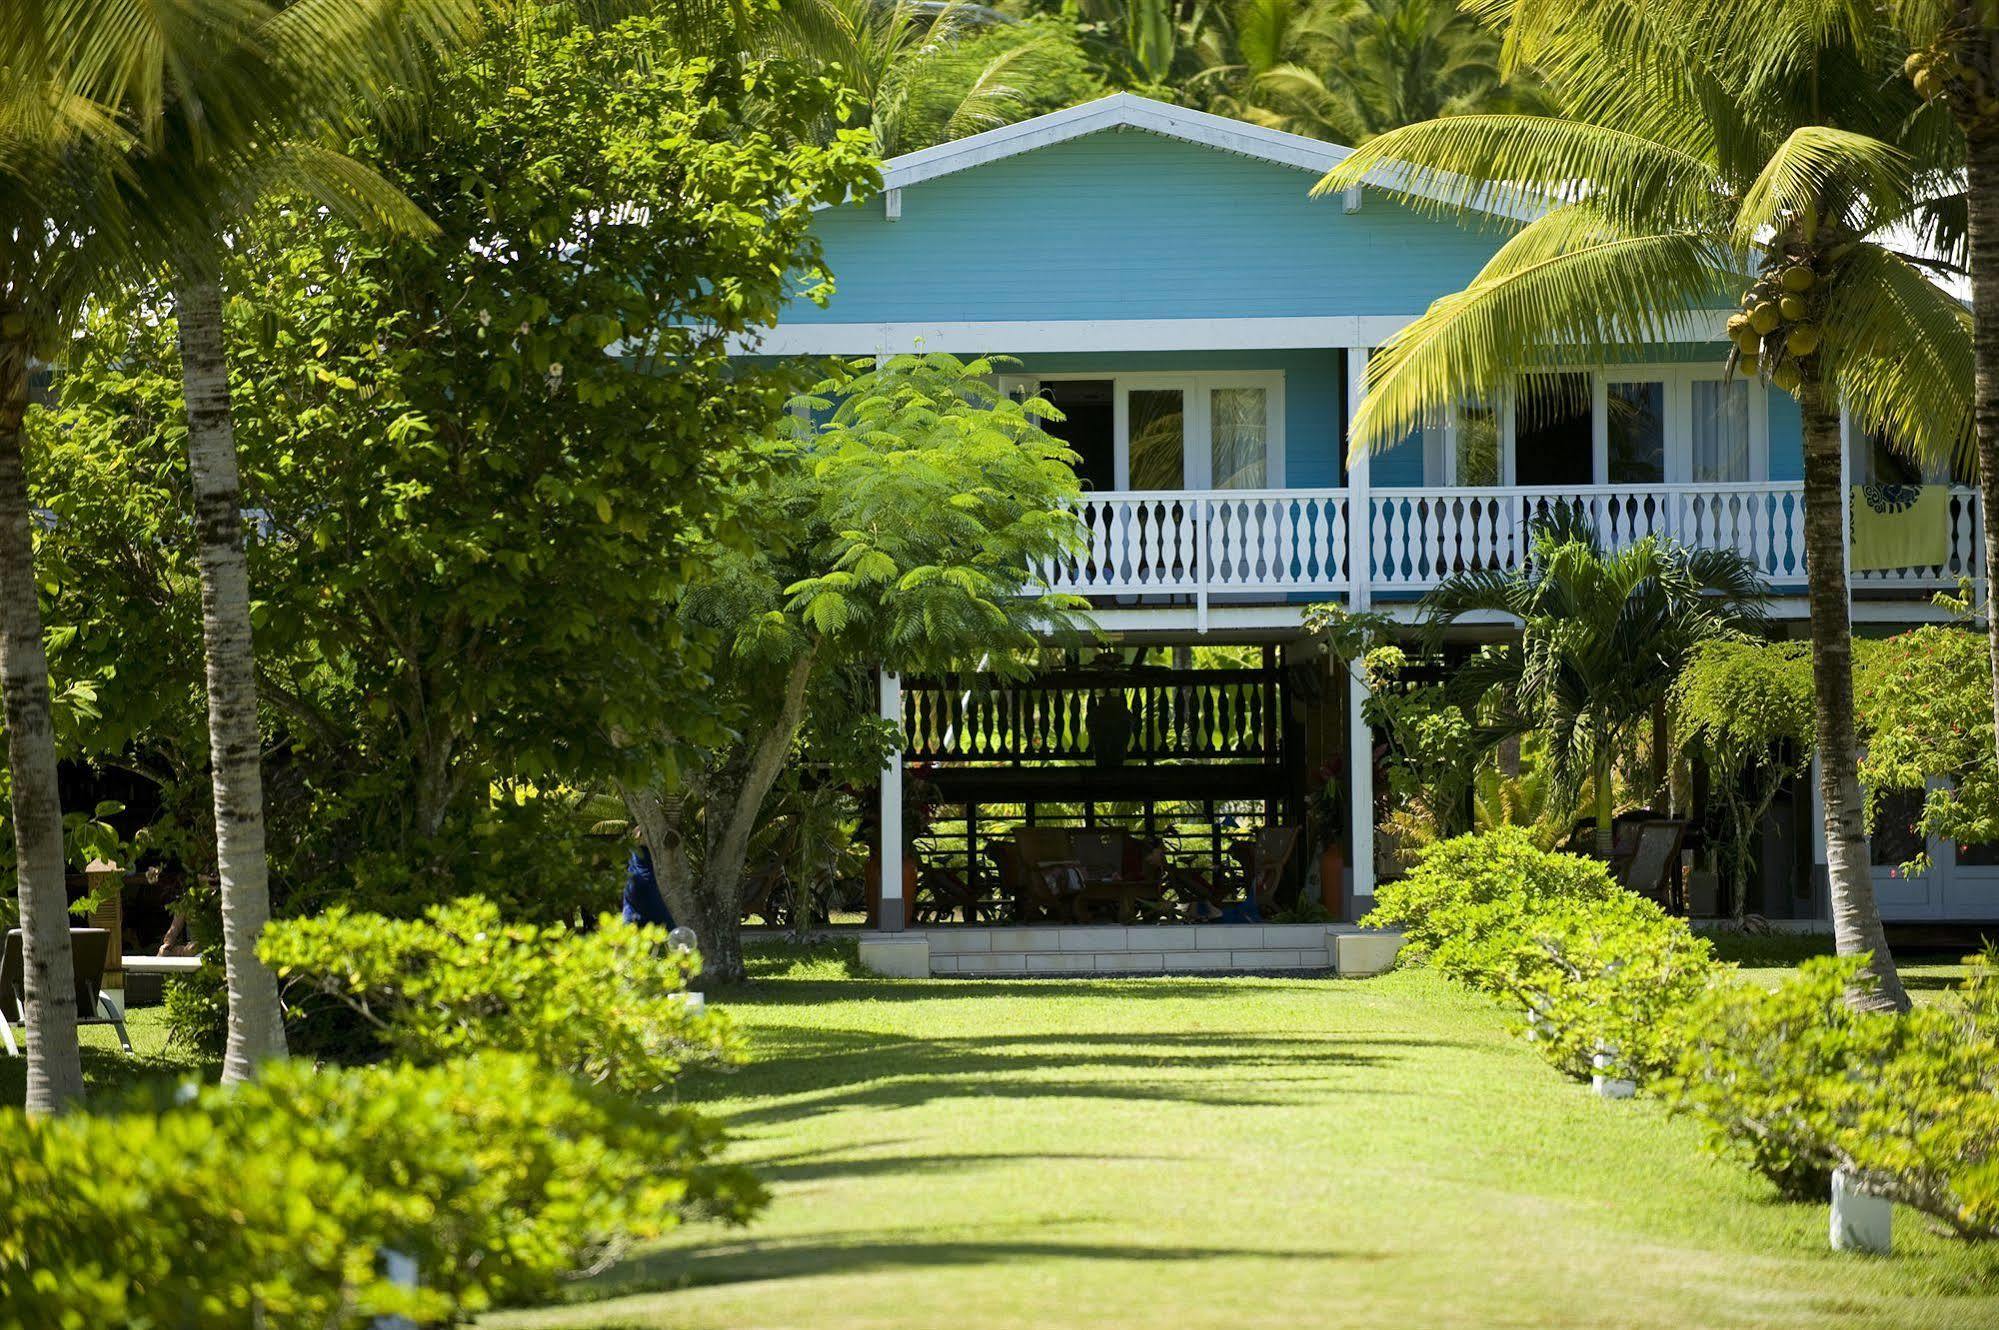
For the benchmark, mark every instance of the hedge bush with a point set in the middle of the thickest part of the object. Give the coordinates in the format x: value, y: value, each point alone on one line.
x: 1591, y: 965
x: 606, y: 1005
x: 270, y: 1203
x: 1796, y: 1082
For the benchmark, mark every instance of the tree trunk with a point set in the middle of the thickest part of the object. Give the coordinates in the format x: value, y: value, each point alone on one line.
x: 1982, y: 208
x: 1606, y: 815
x: 1856, y: 920
x: 256, y: 1024
x: 55, y: 1064
x: 716, y: 924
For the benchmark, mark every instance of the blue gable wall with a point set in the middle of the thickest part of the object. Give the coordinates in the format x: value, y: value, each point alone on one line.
x: 1130, y: 225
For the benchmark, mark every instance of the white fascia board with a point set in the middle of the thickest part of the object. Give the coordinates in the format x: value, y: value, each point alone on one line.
x: 1246, y: 334
x: 979, y: 338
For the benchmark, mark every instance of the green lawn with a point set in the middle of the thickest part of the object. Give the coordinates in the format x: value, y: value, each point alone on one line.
x: 1237, y: 1153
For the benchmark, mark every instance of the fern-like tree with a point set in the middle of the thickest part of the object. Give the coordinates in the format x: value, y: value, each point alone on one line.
x: 1602, y: 636
x: 904, y: 535
x: 1678, y: 177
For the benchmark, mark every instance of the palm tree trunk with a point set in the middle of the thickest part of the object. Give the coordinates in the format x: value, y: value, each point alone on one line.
x: 1606, y: 815
x: 55, y: 1064
x: 1982, y: 208
x: 256, y: 1025
x: 1856, y: 920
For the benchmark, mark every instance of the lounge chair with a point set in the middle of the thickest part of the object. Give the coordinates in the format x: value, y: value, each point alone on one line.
x: 89, y: 949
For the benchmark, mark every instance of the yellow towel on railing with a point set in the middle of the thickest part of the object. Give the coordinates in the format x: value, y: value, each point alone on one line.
x: 1900, y: 526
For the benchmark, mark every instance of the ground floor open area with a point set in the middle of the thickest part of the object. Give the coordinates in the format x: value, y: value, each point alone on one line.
x: 1189, y: 1152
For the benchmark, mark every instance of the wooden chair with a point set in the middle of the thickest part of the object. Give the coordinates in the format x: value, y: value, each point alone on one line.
x: 89, y: 949
x: 1655, y: 857
x: 940, y: 892
x: 1040, y: 873
x: 1270, y: 856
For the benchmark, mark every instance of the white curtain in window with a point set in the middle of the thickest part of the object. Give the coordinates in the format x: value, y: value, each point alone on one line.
x: 1240, y: 420
x: 1721, y: 431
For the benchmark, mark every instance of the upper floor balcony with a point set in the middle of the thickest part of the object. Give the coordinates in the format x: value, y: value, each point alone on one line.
x: 1278, y: 545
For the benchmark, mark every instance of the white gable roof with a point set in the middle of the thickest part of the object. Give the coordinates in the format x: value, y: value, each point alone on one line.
x: 1126, y: 110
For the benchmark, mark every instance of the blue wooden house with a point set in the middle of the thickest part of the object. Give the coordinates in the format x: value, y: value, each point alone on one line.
x: 1165, y: 277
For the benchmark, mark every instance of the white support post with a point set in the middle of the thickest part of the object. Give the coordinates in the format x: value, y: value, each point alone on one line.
x: 1360, y: 557
x: 889, y: 852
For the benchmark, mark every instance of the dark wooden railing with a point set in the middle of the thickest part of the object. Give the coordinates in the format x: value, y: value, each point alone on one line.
x: 1087, y: 715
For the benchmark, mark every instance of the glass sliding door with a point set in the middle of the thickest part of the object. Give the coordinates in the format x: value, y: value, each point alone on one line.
x: 1158, y: 433
x: 1635, y: 429
x: 1238, y: 438
x: 1718, y: 433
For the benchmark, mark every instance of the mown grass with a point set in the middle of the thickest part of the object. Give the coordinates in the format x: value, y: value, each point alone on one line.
x: 1239, y: 1153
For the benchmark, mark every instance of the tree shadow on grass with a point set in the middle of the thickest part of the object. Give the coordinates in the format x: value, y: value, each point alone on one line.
x: 742, y: 1260
x: 831, y: 1068
x: 824, y: 1166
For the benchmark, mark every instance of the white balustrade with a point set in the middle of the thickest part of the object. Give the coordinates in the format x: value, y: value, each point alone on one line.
x: 1276, y: 543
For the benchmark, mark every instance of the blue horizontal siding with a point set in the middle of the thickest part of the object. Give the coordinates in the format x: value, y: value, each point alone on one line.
x: 1130, y: 225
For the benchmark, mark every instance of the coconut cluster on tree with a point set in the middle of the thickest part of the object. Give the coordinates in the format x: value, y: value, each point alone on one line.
x: 1777, y: 327
x: 1938, y: 73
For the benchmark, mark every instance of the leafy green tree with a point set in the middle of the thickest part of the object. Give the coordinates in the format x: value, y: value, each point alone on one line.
x: 903, y: 535
x: 1603, y: 634
x: 1746, y: 708
x: 1673, y: 178
x: 482, y: 468
x: 1922, y: 698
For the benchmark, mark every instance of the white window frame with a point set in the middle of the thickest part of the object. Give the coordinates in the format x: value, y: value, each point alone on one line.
x: 1197, y: 440
x: 1679, y: 403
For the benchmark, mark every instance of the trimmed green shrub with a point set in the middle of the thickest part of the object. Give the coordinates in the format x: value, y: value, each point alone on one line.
x: 271, y: 1203
x: 1466, y: 902
x: 1593, y: 966
x: 1611, y: 976
x: 606, y: 1006
x: 1796, y: 1082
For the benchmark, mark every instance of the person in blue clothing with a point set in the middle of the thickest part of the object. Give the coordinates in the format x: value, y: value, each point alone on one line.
x: 643, y: 903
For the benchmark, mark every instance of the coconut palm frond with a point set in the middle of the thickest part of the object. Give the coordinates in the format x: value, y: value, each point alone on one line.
x: 1569, y: 282
x: 1900, y: 349
x: 1816, y: 163
x: 1530, y: 163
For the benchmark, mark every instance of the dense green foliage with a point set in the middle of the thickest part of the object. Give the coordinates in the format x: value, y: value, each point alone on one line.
x: 1744, y: 707
x: 271, y: 1203
x: 1925, y: 701
x: 1797, y: 1082
x: 905, y: 534
x: 608, y: 1005
x: 482, y: 468
x: 1594, y: 967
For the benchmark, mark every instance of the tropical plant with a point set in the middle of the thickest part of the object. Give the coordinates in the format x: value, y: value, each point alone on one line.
x: 63, y: 236
x: 1675, y: 178
x: 1602, y: 636
x: 1921, y: 696
x: 902, y: 535
x: 1746, y: 707
x: 1347, y: 70
x: 923, y: 74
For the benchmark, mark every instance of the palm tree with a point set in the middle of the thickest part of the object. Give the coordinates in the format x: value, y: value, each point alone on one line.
x: 1677, y: 176
x: 57, y: 240
x: 1347, y: 70
x: 902, y: 59
x: 1603, y: 636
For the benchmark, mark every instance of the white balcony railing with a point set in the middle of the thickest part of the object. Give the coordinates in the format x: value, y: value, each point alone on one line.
x: 1270, y: 544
